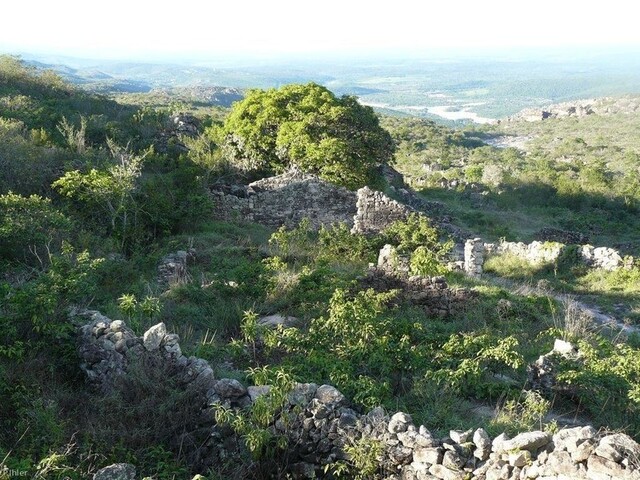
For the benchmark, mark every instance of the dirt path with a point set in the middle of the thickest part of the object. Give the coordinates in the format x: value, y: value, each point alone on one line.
x: 604, y: 320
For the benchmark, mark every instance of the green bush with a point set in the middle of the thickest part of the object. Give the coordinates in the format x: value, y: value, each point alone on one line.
x: 359, y: 346
x: 306, y: 125
x: 30, y: 228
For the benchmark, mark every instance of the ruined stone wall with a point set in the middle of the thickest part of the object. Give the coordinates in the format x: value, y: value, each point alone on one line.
x: 285, y: 200
x: 319, y: 424
x: 376, y: 211
x: 538, y: 253
x: 288, y: 198
x: 432, y: 294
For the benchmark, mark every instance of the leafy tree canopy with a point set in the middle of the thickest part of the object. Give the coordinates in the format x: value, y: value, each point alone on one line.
x: 307, y: 125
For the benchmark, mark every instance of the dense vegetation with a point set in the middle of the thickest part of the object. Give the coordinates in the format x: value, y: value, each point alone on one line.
x: 306, y: 125
x: 98, y: 191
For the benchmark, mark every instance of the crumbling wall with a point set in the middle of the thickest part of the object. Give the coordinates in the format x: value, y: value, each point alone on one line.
x: 432, y: 294
x: 376, y: 211
x: 538, y: 253
x: 319, y: 424
x: 288, y: 198
x: 285, y: 200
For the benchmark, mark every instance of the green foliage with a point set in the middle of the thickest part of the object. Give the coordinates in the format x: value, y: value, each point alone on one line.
x: 306, y: 125
x: 338, y: 245
x: 416, y: 236
x: 40, y: 306
x: 27, y: 164
x: 253, y: 426
x: 425, y: 262
x: 107, y: 194
x: 522, y: 415
x: 30, y: 228
x: 139, y: 312
x: 364, y: 455
x: 416, y: 231
x: 465, y: 362
x: 358, y: 347
x: 606, y: 380
x: 144, y: 414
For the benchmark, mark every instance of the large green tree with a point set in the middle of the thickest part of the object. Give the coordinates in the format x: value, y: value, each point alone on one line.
x: 307, y: 125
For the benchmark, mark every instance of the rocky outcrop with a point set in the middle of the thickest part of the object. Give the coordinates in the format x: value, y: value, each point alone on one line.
x: 117, y: 471
x: 319, y: 425
x: 185, y: 124
x: 580, y: 108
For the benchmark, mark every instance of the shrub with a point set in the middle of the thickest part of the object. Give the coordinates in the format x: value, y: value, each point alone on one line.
x: 30, y: 228
x: 358, y: 346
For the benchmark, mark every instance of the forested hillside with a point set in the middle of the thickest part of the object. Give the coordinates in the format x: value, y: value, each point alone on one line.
x: 106, y: 204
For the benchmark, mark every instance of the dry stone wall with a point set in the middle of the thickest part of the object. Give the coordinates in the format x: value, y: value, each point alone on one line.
x: 319, y: 423
x: 376, y: 211
x: 432, y: 294
x: 538, y: 253
x: 288, y: 198
x: 285, y: 200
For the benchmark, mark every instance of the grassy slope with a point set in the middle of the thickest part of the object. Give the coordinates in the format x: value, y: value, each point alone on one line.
x: 236, y: 270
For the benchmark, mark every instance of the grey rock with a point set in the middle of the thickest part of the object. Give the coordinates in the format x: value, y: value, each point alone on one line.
x: 459, y: 437
x: 272, y: 321
x: 229, y: 388
x: 445, y: 473
x: 429, y: 455
x: 153, y: 337
x: 531, y: 441
x: 256, y: 392
x: 117, y: 471
x: 328, y: 394
x: 399, y: 422
x: 483, y: 444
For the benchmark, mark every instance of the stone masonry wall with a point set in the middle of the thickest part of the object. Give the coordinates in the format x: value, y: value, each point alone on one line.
x: 376, y: 211
x: 285, y: 200
x: 319, y: 424
x: 288, y: 198
x: 538, y: 253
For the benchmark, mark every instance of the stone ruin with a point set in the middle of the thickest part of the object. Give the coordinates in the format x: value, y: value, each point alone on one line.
x: 319, y: 423
x: 432, y: 294
x: 538, y: 253
x: 288, y: 198
x: 172, y: 269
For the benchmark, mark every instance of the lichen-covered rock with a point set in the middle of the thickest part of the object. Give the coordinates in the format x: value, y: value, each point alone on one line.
x: 399, y: 422
x: 153, y: 337
x: 117, y: 471
x: 531, y: 441
x: 483, y: 444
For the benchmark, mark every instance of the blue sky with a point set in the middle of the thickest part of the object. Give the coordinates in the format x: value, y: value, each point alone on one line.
x: 200, y: 29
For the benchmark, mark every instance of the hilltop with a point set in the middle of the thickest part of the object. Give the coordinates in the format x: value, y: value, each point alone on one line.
x: 196, y: 290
